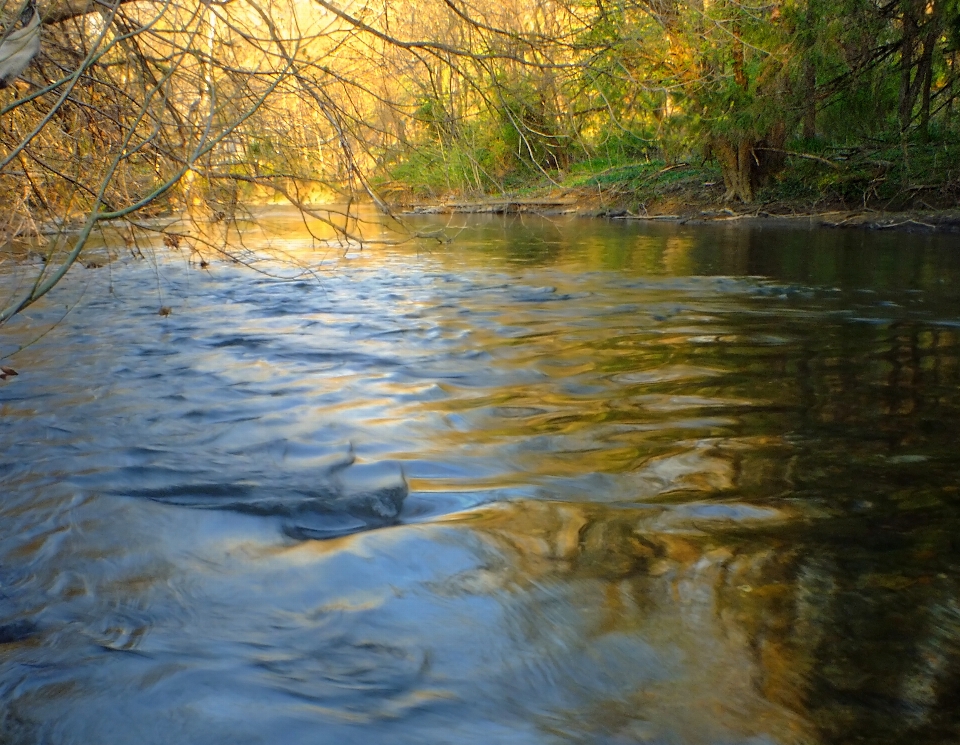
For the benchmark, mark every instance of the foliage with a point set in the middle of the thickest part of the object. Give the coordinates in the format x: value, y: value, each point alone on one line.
x: 743, y: 84
x: 134, y: 108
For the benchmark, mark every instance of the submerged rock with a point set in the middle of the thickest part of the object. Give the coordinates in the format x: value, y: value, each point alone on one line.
x: 17, y: 631
x: 375, y: 490
x: 367, y: 497
x: 347, y: 499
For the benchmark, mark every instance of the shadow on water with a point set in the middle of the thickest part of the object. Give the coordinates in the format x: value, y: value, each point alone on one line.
x: 560, y: 481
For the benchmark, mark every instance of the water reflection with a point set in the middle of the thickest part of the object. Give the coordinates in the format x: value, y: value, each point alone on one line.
x: 558, y: 482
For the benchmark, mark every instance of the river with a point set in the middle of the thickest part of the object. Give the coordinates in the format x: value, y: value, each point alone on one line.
x: 556, y: 481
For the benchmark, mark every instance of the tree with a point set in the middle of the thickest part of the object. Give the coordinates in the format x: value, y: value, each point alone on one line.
x: 137, y: 107
x: 133, y: 108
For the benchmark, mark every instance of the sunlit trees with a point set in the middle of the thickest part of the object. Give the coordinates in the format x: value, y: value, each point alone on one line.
x: 139, y: 106
x: 747, y: 84
x: 135, y: 107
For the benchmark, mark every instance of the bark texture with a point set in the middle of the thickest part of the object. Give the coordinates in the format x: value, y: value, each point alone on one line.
x: 749, y: 162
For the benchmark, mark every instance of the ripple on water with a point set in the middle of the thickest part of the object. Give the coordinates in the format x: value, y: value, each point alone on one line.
x: 530, y: 494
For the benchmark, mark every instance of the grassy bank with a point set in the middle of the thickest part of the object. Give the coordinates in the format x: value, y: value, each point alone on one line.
x: 880, y: 179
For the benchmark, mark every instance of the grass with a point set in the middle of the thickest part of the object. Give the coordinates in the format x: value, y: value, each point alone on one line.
x: 880, y: 175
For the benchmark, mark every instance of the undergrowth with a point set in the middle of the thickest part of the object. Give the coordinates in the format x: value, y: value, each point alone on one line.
x: 879, y: 175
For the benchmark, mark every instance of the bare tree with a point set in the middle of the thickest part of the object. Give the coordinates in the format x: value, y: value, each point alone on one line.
x: 136, y: 108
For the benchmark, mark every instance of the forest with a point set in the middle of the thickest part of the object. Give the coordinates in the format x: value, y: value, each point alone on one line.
x: 125, y: 110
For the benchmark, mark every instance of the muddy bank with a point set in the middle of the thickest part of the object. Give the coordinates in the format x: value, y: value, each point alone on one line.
x: 947, y: 221
x: 694, y: 212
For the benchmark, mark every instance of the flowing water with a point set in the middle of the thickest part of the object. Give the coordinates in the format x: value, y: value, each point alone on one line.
x: 557, y: 481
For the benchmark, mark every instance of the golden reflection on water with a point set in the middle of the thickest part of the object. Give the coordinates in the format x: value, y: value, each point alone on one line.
x: 729, y: 609
x: 676, y: 256
x: 683, y: 505
x: 723, y: 613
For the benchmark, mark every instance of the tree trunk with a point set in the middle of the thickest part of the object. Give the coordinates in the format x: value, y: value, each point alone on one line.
x: 810, y: 75
x: 737, y: 164
x: 948, y: 123
x: 809, y: 99
x: 908, y: 51
x: 925, y: 65
x: 739, y: 63
x: 925, y: 102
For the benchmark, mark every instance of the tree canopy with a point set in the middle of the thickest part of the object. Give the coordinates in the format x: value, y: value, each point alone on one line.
x: 137, y: 107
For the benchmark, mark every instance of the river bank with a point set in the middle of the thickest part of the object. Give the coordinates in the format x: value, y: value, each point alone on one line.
x: 851, y: 195
x: 671, y: 210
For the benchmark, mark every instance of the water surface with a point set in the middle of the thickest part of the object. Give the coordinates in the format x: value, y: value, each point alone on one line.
x: 557, y: 481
